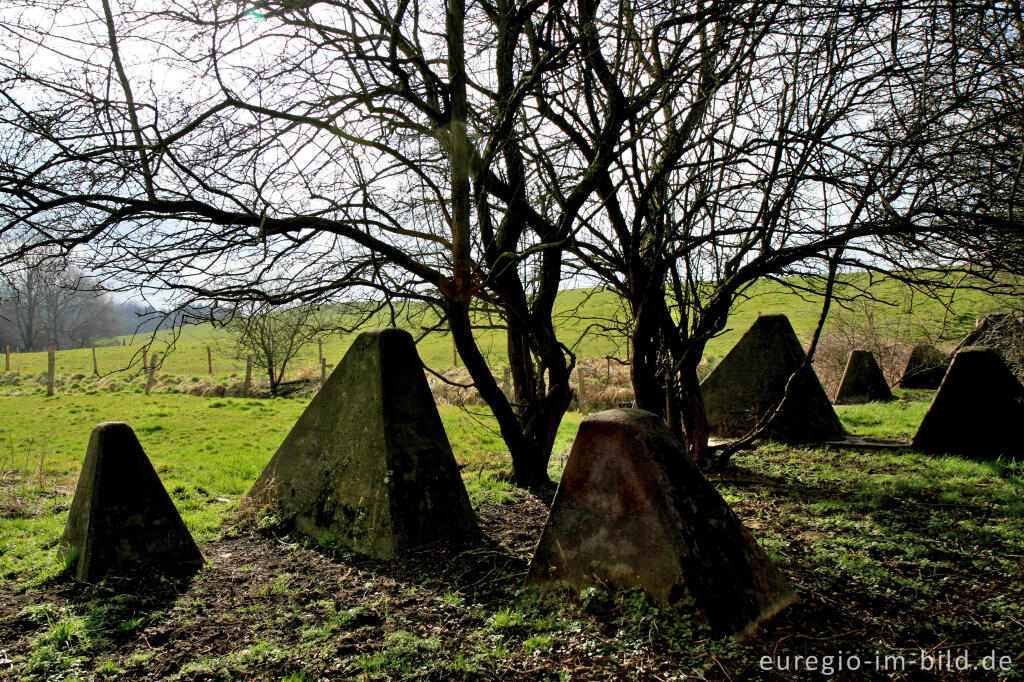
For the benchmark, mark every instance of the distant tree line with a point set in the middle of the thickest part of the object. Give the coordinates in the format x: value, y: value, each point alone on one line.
x: 46, y: 302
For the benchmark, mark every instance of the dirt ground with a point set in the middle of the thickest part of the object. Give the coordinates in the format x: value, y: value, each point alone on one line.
x: 269, y: 608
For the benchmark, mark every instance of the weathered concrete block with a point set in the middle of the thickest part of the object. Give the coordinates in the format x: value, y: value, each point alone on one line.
x: 863, y: 381
x: 925, y: 368
x: 633, y: 510
x: 122, y: 519
x: 369, y: 460
x: 977, y: 411
x: 750, y: 381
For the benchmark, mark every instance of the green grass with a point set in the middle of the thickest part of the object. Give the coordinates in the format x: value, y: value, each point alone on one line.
x: 897, y: 505
x: 898, y: 418
x: 68, y: 639
x: 204, y: 455
x: 207, y: 452
x: 888, y: 532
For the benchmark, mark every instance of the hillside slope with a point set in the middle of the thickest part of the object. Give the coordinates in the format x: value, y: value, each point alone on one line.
x: 586, y: 320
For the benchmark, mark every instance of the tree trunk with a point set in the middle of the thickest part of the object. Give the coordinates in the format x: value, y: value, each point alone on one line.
x: 547, y: 413
x: 458, y: 151
x: 274, y: 380
x: 664, y: 373
x: 693, y: 417
x: 529, y: 462
x: 646, y: 367
x: 524, y: 374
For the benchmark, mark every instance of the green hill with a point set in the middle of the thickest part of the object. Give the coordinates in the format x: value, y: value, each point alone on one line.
x: 586, y: 319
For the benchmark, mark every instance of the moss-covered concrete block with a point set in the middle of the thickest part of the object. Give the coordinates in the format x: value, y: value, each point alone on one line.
x: 369, y: 461
x: 122, y: 520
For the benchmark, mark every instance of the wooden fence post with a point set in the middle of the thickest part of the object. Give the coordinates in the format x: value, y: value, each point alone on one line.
x: 320, y: 348
x: 248, y: 376
x: 506, y: 382
x: 580, y: 397
x: 152, y: 370
x: 8, y: 348
x: 209, y: 359
x: 323, y: 370
x: 95, y: 366
x: 51, y: 370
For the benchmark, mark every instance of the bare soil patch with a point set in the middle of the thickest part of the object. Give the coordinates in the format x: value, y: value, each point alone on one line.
x: 268, y: 607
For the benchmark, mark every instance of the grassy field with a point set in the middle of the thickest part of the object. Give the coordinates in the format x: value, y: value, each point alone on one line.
x: 581, y: 317
x: 882, y: 546
x: 890, y: 551
x: 206, y: 451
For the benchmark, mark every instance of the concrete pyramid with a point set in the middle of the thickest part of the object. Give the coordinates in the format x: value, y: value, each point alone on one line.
x: 369, y: 461
x: 863, y: 381
x: 977, y: 411
x: 925, y: 368
x: 122, y: 518
x: 632, y: 510
x: 750, y: 382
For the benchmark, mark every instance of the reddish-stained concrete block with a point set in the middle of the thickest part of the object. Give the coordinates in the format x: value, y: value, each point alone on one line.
x: 632, y: 510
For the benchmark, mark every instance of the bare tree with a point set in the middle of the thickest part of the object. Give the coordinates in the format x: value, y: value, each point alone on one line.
x: 48, y: 303
x: 977, y: 165
x: 403, y: 155
x: 322, y: 148
x: 26, y: 301
x: 274, y: 336
x: 807, y: 144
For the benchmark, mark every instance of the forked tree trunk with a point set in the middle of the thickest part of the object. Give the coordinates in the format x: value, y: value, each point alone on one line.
x: 540, y: 406
x: 543, y: 415
x: 529, y: 464
x: 658, y: 354
x: 530, y: 433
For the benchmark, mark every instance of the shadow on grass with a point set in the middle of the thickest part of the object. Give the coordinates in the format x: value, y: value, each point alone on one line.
x: 892, y: 549
x: 84, y: 621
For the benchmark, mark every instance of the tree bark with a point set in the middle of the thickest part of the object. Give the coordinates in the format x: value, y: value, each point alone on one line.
x: 648, y: 390
x: 273, y: 380
x: 529, y: 467
x: 648, y: 342
x: 693, y: 418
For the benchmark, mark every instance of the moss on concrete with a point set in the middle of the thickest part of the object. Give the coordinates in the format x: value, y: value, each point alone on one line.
x: 122, y: 518
x: 369, y: 460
